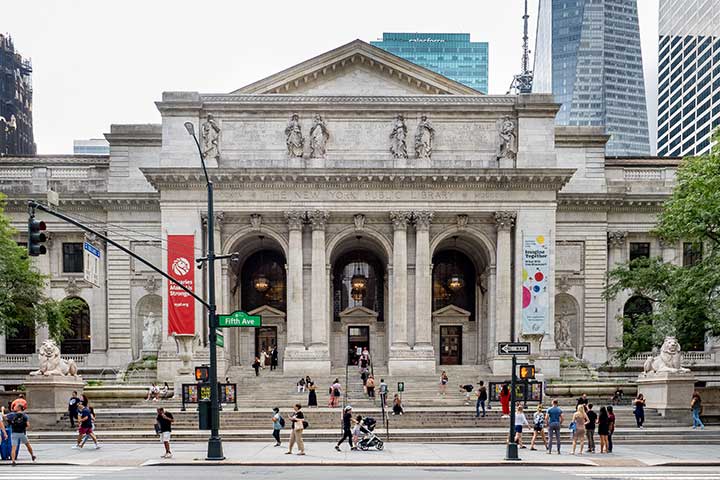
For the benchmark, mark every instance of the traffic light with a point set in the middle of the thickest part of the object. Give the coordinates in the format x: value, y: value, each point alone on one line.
x: 202, y: 374
x: 527, y: 372
x: 36, y: 237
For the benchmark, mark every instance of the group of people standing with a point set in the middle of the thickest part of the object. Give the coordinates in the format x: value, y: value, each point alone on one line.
x: 268, y: 357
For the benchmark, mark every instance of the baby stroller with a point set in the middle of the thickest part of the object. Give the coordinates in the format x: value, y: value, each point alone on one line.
x: 369, y: 439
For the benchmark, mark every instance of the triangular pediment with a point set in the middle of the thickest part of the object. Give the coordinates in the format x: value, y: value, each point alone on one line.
x: 358, y: 312
x: 267, y: 310
x: 451, y: 311
x: 357, y: 68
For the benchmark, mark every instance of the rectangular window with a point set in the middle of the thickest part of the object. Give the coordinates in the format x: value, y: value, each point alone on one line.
x: 72, y: 257
x: 639, y: 250
x: 692, y: 253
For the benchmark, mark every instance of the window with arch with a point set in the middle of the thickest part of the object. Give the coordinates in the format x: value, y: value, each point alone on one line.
x: 358, y: 281
x: 262, y: 281
x: 77, y: 340
x: 454, y: 280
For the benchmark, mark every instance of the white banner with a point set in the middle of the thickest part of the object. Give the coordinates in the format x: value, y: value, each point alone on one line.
x: 534, y: 284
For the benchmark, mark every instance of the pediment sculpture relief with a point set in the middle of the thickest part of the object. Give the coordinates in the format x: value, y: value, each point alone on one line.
x: 294, y: 137
x: 210, y: 133
x: 398, y: 137
x: 319, y: 136
x: 508, y: 140
x: 424, y: 137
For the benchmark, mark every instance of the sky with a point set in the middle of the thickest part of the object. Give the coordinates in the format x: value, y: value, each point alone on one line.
x: 99, y: 62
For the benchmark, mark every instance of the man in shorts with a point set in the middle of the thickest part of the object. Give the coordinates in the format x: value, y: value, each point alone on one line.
x: 85, y: 417
x: 165, y: 420
x: 20, y: 422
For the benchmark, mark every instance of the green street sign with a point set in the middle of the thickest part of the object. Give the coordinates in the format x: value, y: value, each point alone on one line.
x: 239, y: 319
x: 220, y: 340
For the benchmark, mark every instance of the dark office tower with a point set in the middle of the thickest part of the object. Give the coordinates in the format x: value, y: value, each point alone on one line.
x: 688, y: 76
x: 450, y: 54
x: 16, y: 130
x: 587, y: 54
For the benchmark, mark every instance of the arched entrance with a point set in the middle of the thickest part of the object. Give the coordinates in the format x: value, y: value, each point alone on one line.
x: 358, y: 281
x: 459, y: 301
x: 77, y: 341
x: 258, y: 283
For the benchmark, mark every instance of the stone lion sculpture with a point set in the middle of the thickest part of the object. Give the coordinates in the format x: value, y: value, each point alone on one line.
x: 51, y: 364
x: 668, y: 361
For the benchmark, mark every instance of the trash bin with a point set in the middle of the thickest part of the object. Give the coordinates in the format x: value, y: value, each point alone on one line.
x: 204, y: 414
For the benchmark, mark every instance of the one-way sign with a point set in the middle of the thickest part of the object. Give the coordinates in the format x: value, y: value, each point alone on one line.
x: 513, y: 348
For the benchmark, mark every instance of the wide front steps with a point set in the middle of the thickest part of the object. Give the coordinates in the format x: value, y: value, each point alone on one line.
x: 623, y: 436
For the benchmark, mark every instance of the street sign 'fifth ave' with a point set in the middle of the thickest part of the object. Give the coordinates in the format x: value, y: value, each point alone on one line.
x: 239, y: 319
x: 513, y: 348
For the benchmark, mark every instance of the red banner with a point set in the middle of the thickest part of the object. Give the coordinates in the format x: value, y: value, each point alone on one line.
x: 181, y: 306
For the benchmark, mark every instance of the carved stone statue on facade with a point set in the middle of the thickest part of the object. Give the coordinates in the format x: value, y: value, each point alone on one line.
x: 669, y: 360
x: 508, y: 140
x: 424, y: 136
x: 319, y: 136
x: 562, y: 330
x: 210, y: 132
x: 52, y: 364
x: 151, y: 332
x: 294, y: 137
x: 398, y: 136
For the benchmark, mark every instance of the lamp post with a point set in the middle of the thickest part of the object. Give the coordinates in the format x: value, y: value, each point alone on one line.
x: 215, y: 450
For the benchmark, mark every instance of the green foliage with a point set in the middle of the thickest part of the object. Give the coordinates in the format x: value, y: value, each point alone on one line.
x: 23, y: 301
x: 686, y: 300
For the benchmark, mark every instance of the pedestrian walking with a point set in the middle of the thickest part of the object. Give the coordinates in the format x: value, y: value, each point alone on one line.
x: 278, y: 423
x: 397, y: 405
x: 370, y: 386
x: 165, y: 420
x: 538, y: 427
x: 611, y: 428
x: 274, y: 358
x: 579, y: 420
x: 603, y: 427
x: 256, y: 366
x: 298, y: 427
x: 467, y: 390
x: 347, y: 429
x: 696, y: 409
x: 505, y: 400
x: 19, y: 423
x: 312, y: 394
x: 554, y: 419
x: 481, y: 399
x: 590, y: 427
x: 383, y: 392
x: 86, y: 419
x: 443, y: 383
x: 520, y: 422
x: 73, y: 408
x: 639, y: 410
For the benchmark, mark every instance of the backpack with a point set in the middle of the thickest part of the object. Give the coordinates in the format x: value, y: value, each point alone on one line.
x: 281, y: 421
x: 305, y: 424
x: 19, y: 423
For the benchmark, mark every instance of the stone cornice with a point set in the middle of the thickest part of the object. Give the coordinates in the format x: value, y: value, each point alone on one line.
x: 611, y: 202
x: 567, y: 136
x: 375, y: 179
x: 140, y: 134
x: 52, y: 160
x: 101, y: 201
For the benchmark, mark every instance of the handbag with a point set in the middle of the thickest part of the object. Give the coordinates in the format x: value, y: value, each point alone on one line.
x: 573, y: 426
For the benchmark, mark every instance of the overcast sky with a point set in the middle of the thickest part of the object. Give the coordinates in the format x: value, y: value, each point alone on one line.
x: 97, y: 63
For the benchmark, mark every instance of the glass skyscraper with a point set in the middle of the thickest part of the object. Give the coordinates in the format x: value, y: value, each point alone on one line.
x: 688, y: 76
x: 450, y: 54
x: 587, y: 54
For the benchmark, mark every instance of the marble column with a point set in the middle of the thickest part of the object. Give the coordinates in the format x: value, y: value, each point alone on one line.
x: 617, y: 253
x: 423, y: 281
x: 504, y: 222
x: 295, y: 346
x: 319, y: 307
x: 402, y: 359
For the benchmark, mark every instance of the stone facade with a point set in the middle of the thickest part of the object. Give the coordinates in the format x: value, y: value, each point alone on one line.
x: 316, y: 211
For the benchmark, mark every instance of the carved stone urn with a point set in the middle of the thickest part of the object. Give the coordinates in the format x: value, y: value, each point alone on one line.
x: 185, y: 342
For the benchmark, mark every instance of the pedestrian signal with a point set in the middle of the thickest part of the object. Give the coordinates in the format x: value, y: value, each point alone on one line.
x: 202, y: 374
x: 527, y: 372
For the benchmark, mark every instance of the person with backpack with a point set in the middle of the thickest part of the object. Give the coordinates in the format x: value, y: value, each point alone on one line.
x: 19, y: 422
x: 278, y: 424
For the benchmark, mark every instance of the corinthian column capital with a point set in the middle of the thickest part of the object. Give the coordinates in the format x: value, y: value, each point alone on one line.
x: 318, y: 218
x: 295, y: 219
x: 617, y: 238
x: 400, y: 220
x: 422, y: 220
x: 505, y: 220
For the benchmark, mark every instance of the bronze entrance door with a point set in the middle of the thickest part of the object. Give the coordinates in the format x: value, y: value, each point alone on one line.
x: 450, y: 345
x: 358, y: 338
x: 265, y: 339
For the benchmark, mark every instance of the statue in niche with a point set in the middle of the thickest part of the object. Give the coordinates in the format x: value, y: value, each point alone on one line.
x: 562, y: 328
x: 319, y: 137
x: 210, y: 133
x: 151, y: 332
x: 293, y: 137
x: 507, y: 147
x: 424, y: 137
x: 398, y: 148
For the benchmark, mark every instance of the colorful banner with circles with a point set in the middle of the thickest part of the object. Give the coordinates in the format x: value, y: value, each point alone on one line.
x: 535, y: 271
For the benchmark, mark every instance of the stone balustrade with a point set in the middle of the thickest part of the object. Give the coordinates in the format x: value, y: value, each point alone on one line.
x: 688, y: 359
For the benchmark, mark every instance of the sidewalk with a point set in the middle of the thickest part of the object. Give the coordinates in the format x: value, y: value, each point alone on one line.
x: 394, y: 454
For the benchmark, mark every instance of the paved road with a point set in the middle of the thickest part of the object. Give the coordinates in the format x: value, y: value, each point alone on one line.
x: 44, y: 472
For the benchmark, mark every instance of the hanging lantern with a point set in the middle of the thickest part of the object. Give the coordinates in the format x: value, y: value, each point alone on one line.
x: 455, y: 282
x: 261, y: 283
x: 358, y: 282
x: 357, y: 294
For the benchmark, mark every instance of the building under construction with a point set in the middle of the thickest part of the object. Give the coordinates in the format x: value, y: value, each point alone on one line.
x: 16, y: 129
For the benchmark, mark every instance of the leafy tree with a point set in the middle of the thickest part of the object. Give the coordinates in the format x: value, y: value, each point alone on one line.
x: 686, y: 300
x: 23, y: 301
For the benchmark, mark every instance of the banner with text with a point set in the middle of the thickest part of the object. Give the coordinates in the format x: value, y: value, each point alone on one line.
x: 534, y: 284
x: 181, y: 306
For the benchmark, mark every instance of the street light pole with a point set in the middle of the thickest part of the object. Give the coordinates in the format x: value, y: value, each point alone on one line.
x: 215, y: 450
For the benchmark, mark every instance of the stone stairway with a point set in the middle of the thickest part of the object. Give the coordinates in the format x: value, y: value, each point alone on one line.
x: 574, y: 370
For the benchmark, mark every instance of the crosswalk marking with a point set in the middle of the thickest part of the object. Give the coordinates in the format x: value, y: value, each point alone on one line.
x: 55, y: 472
x: 619, y: 473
